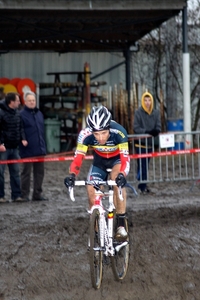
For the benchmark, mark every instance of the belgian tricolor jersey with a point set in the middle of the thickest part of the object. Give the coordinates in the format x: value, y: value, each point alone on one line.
x: 117, y: 144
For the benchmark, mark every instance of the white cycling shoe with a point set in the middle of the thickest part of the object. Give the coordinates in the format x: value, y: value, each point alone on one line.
x: 121, y: 234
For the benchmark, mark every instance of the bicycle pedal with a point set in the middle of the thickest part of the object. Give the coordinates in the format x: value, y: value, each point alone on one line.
x: 97, y: 249
x: 120, y: 246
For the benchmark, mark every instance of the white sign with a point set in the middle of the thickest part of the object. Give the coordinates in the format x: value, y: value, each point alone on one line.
x: 166, y: 140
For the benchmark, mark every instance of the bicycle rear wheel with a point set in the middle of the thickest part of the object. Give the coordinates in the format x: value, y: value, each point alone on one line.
x: 120, y: 260
x: 95, y: 251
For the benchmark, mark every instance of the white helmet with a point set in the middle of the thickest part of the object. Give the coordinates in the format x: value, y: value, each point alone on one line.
x: 99, y: 118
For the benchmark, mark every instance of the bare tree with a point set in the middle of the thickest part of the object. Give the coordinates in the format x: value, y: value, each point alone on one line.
x: 159, y: 66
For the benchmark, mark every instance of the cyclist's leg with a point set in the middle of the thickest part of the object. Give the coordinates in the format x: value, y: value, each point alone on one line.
x: 120, y: 205
x: 97, y: 174
x: 121, y: 232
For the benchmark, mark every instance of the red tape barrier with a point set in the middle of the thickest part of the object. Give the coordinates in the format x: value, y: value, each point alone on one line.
x: 40, y: 159
x: 165, y: 153
x: 65, y: 158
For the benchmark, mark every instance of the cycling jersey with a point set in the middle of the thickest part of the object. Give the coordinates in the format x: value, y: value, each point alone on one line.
x: 116, y: 146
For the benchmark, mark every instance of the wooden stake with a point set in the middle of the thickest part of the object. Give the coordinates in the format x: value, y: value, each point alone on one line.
x: 162, y: 113
x: 121, y: 100
x: 115, y: 104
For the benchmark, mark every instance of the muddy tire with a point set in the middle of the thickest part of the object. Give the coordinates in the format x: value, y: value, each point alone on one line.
x: 95, y: 251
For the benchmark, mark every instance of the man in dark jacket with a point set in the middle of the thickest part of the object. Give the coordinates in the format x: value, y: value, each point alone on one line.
x: 146, y: 121
x: 33, y: 123
x: 11, y: 134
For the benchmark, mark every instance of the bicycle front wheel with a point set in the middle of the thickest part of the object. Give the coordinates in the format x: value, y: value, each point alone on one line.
x: 120, y: 260
x: 95, y: 250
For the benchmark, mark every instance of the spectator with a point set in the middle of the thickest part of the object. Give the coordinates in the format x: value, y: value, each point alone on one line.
x: 2, y: 95
x: 146, y: 120
x: 11, y: 134
x: 2, y: 98
x: 33, y: 122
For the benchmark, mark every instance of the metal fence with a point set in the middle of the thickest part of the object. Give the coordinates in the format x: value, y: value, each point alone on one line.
x: 174, y: 162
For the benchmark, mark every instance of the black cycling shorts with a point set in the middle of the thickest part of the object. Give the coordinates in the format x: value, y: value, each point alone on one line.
x: 98, y: 170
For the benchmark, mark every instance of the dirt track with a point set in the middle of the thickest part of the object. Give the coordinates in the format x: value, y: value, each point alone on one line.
x: 43, y: 246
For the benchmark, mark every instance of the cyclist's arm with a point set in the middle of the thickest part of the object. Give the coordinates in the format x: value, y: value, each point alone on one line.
x: 124, y: 157
x: 75, y: 166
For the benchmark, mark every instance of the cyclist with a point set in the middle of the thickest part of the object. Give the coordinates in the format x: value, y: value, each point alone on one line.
x: 110, y: 150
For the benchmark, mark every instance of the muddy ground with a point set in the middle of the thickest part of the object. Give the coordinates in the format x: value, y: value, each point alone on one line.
x: 43, y: 246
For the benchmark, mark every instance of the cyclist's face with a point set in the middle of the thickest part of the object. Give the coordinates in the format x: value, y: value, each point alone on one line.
x: 101, y: 136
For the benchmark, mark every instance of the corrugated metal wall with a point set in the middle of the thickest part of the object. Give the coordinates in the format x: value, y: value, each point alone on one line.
x: 36, y: 65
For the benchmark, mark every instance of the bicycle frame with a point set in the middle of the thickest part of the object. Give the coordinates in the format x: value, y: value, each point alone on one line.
x: 106, y: 229
x: 103, y: 223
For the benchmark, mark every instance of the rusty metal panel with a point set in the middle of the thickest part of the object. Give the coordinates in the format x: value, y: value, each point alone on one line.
x: 36, y: 66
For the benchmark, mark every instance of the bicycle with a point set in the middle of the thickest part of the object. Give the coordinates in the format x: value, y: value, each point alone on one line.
x: 103, y: 225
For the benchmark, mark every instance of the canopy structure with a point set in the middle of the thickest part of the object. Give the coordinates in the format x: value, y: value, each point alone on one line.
x: 75, y: 26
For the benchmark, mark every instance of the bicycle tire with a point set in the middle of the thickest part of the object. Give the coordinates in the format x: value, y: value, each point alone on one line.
x: 120, y: 260
x: 96, y: 256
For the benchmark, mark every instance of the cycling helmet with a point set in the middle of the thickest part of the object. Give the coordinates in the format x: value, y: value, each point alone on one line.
x: 99, y: 118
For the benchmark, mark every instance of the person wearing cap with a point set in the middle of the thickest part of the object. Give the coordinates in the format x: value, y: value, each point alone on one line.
x: 109, y: 142
x: 146, y: 121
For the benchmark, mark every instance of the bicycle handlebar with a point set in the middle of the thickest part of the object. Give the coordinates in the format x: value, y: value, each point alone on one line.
x: 92, y: 182
x: 86, y: 182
